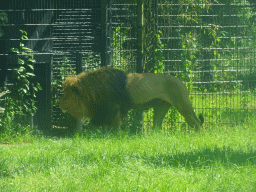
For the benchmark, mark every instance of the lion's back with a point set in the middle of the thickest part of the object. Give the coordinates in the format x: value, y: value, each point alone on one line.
x: 146, y: 87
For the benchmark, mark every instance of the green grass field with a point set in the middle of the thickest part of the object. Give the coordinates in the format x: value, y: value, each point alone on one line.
x: 219, y: 158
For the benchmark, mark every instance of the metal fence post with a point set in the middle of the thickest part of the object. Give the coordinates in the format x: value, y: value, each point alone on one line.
x: 43, y: 75
x: 138, y: 114
x: 106, y: 33
x: 79, y: 69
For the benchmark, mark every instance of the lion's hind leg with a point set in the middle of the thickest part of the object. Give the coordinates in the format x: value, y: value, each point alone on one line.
x: 160, y: 111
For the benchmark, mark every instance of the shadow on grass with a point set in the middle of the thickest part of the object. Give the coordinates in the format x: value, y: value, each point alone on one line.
x: 205, y: 158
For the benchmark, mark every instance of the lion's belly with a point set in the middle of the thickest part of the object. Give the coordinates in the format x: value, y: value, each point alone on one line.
x: 142, y: 96
x: 147, y: 105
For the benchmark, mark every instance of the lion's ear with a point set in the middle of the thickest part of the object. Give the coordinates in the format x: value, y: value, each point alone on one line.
x: 75, y: 89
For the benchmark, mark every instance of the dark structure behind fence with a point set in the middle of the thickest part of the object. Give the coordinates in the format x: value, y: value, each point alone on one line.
x: 43, y: 75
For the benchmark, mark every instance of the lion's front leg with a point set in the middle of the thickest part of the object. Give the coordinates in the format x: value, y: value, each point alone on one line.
x: 79, y: 125
x: 117, y: 121
x: 107, y: 115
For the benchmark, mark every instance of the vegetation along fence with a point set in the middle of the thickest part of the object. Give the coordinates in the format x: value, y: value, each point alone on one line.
x: 208, y: 44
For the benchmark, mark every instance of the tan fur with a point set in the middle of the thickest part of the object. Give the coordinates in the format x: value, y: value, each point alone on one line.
x: 167, y: 91
x: 160, y: 91
x: 71, y: 102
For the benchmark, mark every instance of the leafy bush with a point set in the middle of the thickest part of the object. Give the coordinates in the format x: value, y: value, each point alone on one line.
x: 62, y: 70
x: 20, y: 102
x: 3, y: 21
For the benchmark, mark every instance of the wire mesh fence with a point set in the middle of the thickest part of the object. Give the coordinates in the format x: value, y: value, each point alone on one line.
x: 209, y: 45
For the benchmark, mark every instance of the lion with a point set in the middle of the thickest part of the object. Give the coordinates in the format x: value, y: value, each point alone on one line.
x: 160, y: 92
x: 102, y: 95
x: 107, y: 94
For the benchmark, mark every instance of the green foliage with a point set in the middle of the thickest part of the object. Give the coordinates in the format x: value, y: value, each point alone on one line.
x: 153, y: 53
x: 152, y: 42
x: 14, y: 125
x: 62, y: 70
x: 23, y: 90
x: 188, y: 57
x: 3, y: 21
x: 92, y: 61
x: 209, y: 34
x: 198, y: 42
x: 120, y: 58
x: 20, y: 103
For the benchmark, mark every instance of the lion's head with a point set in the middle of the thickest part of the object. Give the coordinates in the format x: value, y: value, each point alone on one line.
x: 71, y: 101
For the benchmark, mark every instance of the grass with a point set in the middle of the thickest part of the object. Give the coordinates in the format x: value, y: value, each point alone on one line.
x: 219, y: 158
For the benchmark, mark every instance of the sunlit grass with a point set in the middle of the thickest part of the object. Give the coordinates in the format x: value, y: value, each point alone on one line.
x: 219, y: 158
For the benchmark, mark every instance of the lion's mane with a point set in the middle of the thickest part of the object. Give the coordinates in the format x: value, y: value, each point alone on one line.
x: 100, y: 94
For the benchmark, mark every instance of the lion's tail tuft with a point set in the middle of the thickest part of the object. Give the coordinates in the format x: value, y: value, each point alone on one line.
x: 201, y: 117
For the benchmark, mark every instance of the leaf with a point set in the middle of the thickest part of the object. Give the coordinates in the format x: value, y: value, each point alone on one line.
x: 3, y: 17
x: 24, y: 90
x: 21, y: 61
x: 31, y: 74
x: 31, y: 66
x: 26, y: 81
x: 15, y: 50
x: 192, y: 57
x: 21, y: 69
x: 32, y: 60
x: 35, y: 88
x: 26, y: 85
